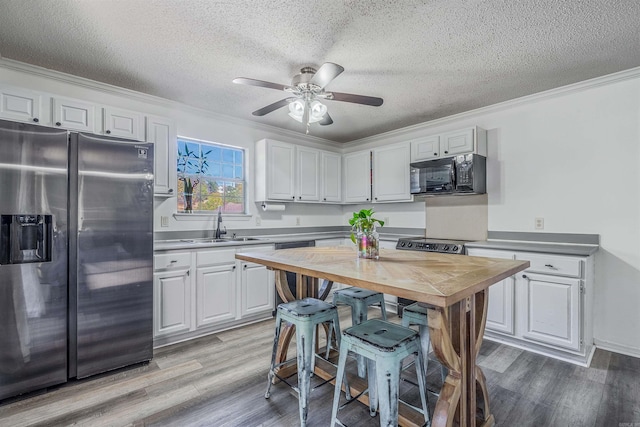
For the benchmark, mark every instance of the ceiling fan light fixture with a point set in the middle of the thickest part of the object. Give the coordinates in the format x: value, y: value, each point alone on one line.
x: 318, y: 110
x: 296, y: 108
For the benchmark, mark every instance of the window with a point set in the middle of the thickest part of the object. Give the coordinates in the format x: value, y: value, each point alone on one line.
x: 210, y: 177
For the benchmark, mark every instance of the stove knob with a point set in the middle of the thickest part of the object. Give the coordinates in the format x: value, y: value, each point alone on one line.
x: 454, y: 249
x: 409, y: 245
x: 402, y: 244
x: 446, y: 248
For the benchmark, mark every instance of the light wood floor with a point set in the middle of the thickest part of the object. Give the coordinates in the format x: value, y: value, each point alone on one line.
x: 220, y: 380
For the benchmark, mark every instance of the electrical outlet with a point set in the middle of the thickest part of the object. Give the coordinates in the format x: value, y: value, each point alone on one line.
x: 386, y: 221
x: 297, y: 220
x: 164, y: 221
x: 539, y: 224
x: 258, y: 221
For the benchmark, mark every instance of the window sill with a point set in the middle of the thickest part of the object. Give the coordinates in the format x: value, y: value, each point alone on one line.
x: 198, y: 216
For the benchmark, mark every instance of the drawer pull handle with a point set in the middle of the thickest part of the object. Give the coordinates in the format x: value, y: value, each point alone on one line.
x: 173, y: 261
x: 548, y: 265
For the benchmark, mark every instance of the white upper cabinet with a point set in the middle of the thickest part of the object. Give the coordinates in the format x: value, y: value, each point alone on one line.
x: 73, y: 114
x: 391, y: 173
x: 21, y: 105
x: 162, y: 133
x: 308, y: 167
x: 289, y: 172
x: 425, y: 148
x: 331, y: 171
x: 123, y: 123
x: 356, y: 178
x: 462, y: 141
x: 275, y: 170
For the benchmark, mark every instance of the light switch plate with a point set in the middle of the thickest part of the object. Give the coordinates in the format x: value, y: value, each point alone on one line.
x: 164, y: 221
x: 539, y: 224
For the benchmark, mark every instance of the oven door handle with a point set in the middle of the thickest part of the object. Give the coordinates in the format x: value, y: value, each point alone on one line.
x: 452, y: 175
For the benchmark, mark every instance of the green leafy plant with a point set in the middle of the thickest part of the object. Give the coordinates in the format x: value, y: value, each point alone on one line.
x: 193, y: 160
x: 364, y: 221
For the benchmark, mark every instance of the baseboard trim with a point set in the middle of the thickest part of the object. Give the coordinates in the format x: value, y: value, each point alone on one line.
x: 617, y: 348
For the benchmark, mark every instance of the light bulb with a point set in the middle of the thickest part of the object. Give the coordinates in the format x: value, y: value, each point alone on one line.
x: 318, y: 110
x: 296, y: 108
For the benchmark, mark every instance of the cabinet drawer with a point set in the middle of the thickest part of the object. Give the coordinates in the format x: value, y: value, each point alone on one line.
x: 220, y: 256
x: 171, y: 260
x: 552, y: 264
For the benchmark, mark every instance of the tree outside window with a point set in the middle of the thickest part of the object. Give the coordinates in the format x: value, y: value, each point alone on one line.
x: 214, y: 174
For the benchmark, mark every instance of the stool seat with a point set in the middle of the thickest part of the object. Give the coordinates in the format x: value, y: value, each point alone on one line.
x: 384, y: 345
x: 385, y: 336
x: 354, y: 292
x: 306, y: 307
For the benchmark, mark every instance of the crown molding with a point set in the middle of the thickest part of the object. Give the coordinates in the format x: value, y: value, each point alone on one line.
x: 35, y: 70
x: 608, y: 79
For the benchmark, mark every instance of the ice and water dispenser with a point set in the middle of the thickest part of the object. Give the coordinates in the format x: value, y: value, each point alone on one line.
x: 25, y: 238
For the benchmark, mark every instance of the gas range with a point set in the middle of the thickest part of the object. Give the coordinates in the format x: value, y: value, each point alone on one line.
x: 431, y: 245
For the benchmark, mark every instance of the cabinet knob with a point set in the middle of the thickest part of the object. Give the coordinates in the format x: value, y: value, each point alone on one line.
x: 244, y: 266
x: 299, y: 197
x: 58, y: 124
x: 376, y: 198
x: 367, y: 199
x: 325, y: 199
x: 108, y: 131
x: 171, y: 190
x: 35, y: 119
x: 435, y: 154
x: 293, y: 198
x: 446, y: 152
x: 234, y: 267
x: 524, y: 276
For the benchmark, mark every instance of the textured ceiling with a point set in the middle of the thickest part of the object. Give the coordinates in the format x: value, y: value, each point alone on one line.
x: 426, y: 59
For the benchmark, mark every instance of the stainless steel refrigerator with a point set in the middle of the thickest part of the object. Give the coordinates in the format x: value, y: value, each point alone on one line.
x: 76, y: 255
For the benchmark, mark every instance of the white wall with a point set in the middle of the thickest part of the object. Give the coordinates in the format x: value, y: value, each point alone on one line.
x: 573, y: 158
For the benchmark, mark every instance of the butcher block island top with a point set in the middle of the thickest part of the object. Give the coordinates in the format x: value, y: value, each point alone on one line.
x: 429, y: 277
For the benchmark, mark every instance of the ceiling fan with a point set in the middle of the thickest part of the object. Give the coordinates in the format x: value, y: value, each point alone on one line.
x: 306, y: 89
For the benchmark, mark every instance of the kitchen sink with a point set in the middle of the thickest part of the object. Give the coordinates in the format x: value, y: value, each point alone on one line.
x: 243, y: 239
x: 221, y: 240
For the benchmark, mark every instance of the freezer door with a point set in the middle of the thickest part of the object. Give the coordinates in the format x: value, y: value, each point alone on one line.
x: 114, y: 268
x: 33, y: 260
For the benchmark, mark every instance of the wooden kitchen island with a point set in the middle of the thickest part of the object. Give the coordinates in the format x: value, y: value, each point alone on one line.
x: 454, y: 289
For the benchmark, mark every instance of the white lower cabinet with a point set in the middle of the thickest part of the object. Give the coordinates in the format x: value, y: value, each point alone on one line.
x: 223, y: 293
x: 546, y: 308
x: 215, y: 294
x: 172, y: 301
x: 258, y: 289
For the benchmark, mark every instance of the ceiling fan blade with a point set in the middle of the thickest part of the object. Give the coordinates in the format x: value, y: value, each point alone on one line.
x: 356, y: 99
x: 260, y: 83
x: 326, y: 120
x: 272, y: 107
x: 327, y: 72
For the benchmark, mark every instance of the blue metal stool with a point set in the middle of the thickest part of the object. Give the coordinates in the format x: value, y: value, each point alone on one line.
x: 305, y: 315
x: 415, y: 314
x: 385, y: 345
x: 359, y: 300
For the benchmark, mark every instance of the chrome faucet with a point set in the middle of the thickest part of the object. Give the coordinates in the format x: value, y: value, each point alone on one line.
x: 219, y: 232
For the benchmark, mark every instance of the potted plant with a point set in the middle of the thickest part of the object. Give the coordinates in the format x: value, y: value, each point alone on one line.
x: 364, y: 234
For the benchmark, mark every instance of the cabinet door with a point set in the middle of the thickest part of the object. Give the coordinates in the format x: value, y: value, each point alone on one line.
x: 73, y: 114
x: 21, y: 105
x: 356, y: 178
x: 123, y: 123
x: 425, y: 148
x: 457, y: 142
x: 308, y: 172
x: 162, y: 132
x: 172, y: 302
x: 331, y: 174
x: 550, y: 309
x: 215, y: 294
x: 391, y: 173
x: 258, y: 289
x: 280, y: 171
x: 501, y: 306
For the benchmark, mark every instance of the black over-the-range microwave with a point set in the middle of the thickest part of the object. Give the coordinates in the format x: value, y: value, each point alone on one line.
x: 463, y: 174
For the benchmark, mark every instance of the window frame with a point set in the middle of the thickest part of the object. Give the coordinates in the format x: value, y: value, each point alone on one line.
x: 201, y: 177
